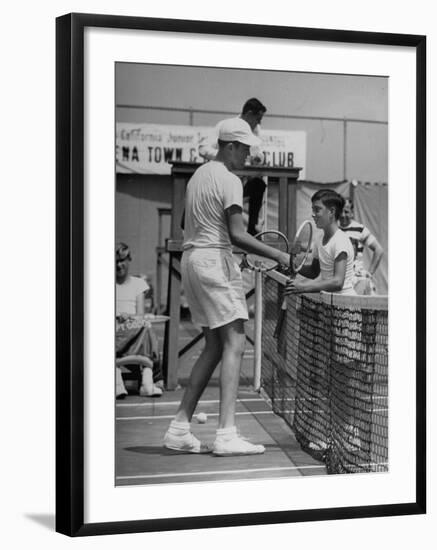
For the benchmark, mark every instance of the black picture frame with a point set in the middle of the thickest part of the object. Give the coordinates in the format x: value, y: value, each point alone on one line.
x: 70, y: 273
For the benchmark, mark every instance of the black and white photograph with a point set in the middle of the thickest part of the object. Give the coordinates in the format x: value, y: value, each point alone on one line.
x: 251, y: 253
x: 240, y: 296
x: 218, y: 276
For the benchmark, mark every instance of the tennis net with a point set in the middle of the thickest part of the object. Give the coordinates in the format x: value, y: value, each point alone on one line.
x: 326, y: 374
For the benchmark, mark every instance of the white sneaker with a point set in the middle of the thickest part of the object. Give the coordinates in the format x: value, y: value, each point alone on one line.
x: 154, y: 391
x: 236, y: 446
x: 185, y: 443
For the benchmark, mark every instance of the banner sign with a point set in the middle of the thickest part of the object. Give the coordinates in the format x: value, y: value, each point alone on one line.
x: 148, y: 148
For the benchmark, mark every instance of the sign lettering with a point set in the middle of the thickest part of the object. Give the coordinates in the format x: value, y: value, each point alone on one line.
x: 148, y: 148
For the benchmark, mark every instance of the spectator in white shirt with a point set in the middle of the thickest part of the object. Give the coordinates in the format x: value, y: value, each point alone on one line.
x: 361, y: 237
x: 134, y: 336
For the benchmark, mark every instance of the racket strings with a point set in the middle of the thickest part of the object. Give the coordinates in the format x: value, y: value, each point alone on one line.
x: 273, y: 239
x: 301, y: 246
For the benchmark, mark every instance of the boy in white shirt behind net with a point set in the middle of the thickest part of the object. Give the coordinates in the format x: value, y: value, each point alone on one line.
x: 333, y: 256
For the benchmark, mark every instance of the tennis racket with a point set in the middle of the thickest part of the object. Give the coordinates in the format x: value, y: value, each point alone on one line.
x: 274, y: 239
x: 299, y: 251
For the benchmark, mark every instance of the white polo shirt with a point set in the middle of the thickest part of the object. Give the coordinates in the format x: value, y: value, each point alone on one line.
x: 211, y: 190
x: 328, y: 253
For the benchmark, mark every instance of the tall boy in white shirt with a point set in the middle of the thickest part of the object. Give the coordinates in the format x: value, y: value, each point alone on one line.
x: 214, y: 288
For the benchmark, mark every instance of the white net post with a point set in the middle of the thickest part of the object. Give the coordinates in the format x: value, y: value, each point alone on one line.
x: 258, y: 332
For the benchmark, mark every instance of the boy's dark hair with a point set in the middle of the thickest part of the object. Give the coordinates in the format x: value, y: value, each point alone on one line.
x: 253, y: 105
x: 331, y: 199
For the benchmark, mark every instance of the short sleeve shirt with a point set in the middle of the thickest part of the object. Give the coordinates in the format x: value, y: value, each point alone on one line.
x: 359, y: 236
x: 211, y: 190
x: 126, y: 295
x: 328, y: 253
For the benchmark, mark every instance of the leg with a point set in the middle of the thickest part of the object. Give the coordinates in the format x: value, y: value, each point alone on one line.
x: 233, y: 339
x: 148, y: 388
x: 158, y: 376
x: 150, y: 348
x: 254, y: 189
x: 227, y: 442
x: 178, y: 436
x: 200, y: 375
x: 120, y: 389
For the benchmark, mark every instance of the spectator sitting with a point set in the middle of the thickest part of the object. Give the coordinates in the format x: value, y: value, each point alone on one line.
x: 133, y: 335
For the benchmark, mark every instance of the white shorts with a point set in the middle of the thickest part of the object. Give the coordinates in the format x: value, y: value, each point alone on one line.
x: 213, y: 287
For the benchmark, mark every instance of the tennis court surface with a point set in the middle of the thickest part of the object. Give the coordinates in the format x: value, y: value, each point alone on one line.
x: 141, y: 423
x: 322, y: 408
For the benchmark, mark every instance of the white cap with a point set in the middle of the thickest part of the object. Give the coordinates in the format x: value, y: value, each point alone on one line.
x: 237, y: 129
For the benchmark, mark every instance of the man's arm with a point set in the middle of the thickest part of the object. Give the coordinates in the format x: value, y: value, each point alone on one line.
x: 311, y: 271
x: 370, y: 241
x: 334, y: 284
x: 140, y: 304
x: 239, y: 237
x: 378, y: 253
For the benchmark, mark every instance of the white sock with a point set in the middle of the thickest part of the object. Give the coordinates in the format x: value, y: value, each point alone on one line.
x: 226, y: 433
x: 179, y: 428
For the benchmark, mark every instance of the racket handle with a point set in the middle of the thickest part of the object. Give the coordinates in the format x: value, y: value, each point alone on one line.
x: 284, y: 303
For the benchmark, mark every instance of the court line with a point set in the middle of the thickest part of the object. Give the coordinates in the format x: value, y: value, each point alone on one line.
x: 206, y: 402
x: 252, y: 413
x: 213, y: 401
x: 172, y: 415
x: 222, y: 472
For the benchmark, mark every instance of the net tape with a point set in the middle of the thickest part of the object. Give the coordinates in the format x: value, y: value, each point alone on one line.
x: 327, y: 374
